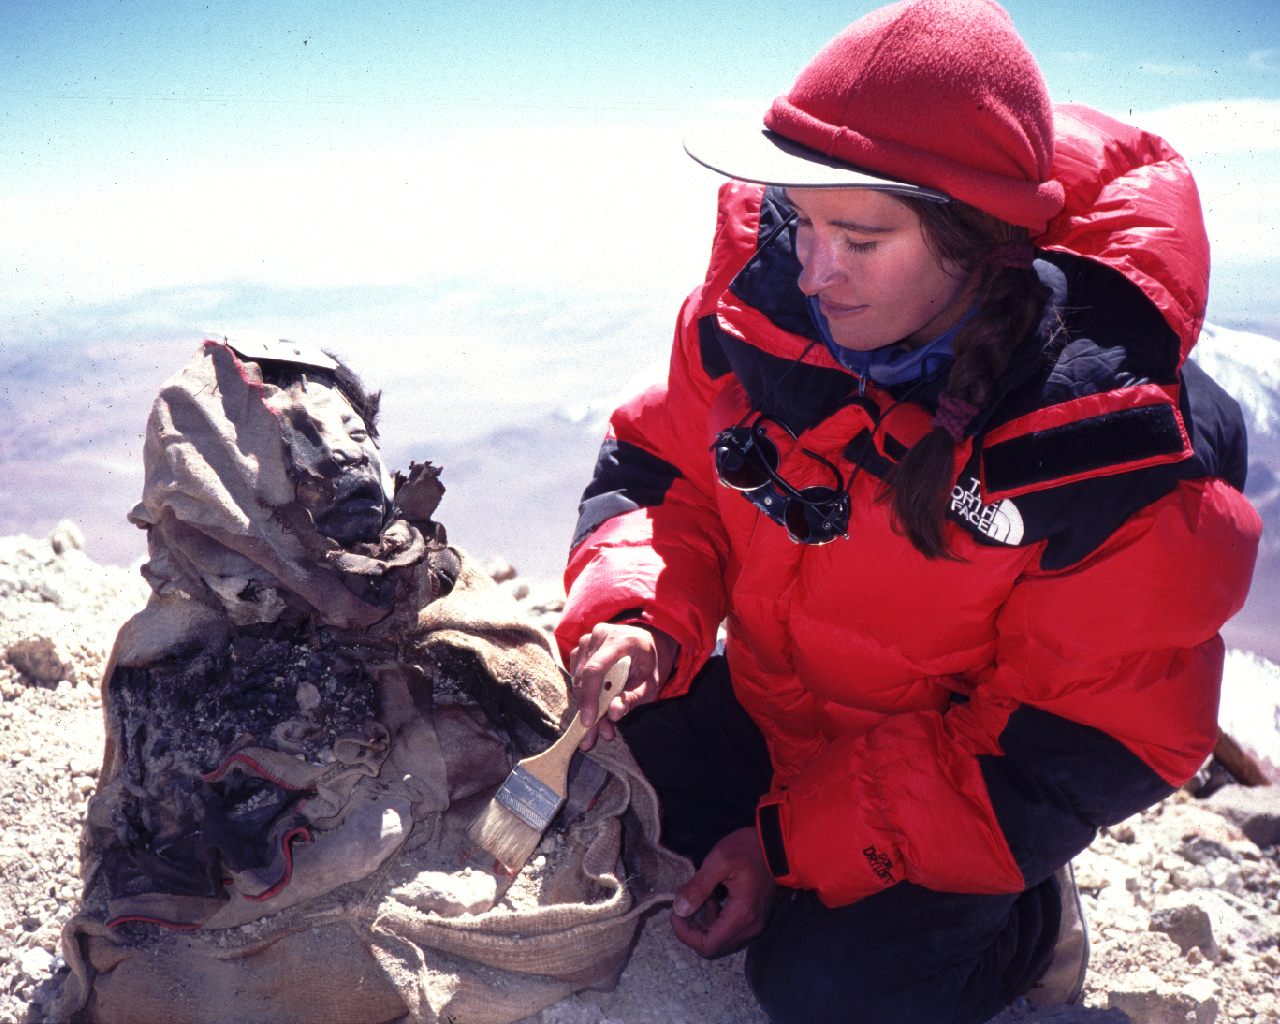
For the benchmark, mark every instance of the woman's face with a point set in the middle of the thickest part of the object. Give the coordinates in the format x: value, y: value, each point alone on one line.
x: 863, y: 255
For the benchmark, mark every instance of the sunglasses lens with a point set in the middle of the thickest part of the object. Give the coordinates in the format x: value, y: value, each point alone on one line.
x: 818, y: 516
x: 745, y: 458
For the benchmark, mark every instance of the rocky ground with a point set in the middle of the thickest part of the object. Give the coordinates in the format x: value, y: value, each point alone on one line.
x: 1183, y: 902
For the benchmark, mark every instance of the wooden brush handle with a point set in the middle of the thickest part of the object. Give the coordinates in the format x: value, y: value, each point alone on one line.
x: 615, y: 680
x: 551, y: 766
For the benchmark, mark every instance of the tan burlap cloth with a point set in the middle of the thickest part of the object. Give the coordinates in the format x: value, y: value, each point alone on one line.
x: 268, y: 860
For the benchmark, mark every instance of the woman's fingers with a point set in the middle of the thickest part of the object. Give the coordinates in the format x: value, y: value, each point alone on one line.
x: 596, y: 652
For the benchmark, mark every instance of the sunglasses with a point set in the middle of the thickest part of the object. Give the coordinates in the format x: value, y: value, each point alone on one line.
x: 747, y: 461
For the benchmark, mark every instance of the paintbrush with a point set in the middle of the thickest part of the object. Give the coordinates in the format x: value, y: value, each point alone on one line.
x: 512, y: 824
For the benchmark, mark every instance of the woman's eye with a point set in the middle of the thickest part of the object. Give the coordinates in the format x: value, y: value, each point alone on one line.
x: 859, y: 246
x: 358, y: 436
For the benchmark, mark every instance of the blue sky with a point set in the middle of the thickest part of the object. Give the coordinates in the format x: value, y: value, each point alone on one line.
x: 228, y: 64
x: 155, y: 145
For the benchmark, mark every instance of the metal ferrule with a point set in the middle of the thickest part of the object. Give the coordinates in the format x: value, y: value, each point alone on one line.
x: 528, y: 799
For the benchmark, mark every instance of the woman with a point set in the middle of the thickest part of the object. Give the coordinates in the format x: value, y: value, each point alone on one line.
x: 929, y: 450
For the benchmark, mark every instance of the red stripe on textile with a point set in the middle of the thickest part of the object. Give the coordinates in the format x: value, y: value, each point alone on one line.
x: 287, y: 850
x: 220, y: 772
x: 116, y: 922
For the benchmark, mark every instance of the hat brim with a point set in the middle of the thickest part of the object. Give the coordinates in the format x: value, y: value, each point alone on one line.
x: 758, y: 155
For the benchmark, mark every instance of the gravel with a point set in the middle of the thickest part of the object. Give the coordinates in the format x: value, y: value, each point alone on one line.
x: 1182, y: 901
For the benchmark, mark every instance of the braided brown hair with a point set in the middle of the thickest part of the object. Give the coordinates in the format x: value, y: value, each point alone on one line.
x: 1011, y: 300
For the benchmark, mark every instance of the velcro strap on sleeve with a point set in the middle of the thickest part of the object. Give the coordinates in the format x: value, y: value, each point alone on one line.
x: 769, y: 825
x: 1035, y: 453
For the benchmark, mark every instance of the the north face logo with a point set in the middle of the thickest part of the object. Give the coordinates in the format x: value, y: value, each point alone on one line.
x: 1002, y: 522
x: 881, y: 865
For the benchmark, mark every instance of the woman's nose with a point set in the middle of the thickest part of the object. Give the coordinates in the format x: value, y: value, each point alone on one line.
x: 819, y: 267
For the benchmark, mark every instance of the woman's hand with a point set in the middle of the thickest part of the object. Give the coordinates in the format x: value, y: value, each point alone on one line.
x: 652, y: 653
x: 726, y: 903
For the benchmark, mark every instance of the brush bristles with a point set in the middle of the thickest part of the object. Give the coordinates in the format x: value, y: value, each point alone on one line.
x: 504, y: 835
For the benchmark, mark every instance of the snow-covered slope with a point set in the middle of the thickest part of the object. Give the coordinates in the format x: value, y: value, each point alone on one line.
x: 1247, y: 365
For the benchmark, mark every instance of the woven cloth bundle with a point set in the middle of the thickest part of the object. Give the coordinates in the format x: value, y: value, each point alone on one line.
x: 299, y: 732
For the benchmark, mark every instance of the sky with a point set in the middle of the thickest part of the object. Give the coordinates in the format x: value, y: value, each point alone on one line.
x: 483, y: 206
x: 151, y: 145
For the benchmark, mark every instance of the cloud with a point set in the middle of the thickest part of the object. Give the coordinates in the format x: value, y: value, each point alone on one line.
x: 1233, y: 148
x: 1241, y: 126
x: 1267, y: 61
x: 595, y: 206
x: 588, y: 210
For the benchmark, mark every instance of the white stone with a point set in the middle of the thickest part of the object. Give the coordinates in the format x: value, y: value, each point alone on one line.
x: 1148, y: 999
x: 499, y: 569
x: 308, y: 696
x: 66, y: 536
x: 35, y: 963
x: 1202, y: 990
x: 518, y: 589
x: 450, y: 894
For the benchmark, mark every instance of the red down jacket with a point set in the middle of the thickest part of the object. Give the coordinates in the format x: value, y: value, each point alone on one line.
x: 964, y: 724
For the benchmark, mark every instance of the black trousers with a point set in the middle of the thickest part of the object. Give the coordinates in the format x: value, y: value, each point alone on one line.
x: 907, y: 955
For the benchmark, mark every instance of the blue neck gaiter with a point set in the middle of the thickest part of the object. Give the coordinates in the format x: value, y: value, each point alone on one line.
x: 891, y: 364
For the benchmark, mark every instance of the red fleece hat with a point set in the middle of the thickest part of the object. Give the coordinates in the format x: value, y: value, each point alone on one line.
x: 934, y: 93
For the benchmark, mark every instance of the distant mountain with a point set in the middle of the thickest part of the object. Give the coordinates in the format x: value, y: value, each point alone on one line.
x: 73, y: 450
x: 1247, y: 365
x: 515, y: 492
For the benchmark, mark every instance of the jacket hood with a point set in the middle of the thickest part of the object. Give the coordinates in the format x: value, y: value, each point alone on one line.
x: 1132, y: 204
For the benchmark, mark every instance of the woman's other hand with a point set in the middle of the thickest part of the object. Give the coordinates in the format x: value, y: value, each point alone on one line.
x: 727, y: 902
x: 652, y: 653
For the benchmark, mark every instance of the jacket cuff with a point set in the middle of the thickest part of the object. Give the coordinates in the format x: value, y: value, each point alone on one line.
x: 769, y: 826
x: 823, y: 848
